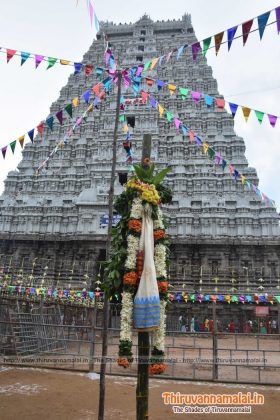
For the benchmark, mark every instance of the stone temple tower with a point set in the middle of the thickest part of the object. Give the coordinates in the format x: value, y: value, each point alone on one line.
x: 223, y: 236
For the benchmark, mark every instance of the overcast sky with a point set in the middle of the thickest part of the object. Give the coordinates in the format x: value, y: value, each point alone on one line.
x: 58, y: 28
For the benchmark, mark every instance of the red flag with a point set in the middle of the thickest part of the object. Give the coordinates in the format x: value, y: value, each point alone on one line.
x: 95, y: 89
x: 144, y: 96
x: 10, y: 54
x: 220, y: 103
x: 246, y: 27
x: 102, y: 94
x: 191, y: 134
x: 40, y: 128
x: 149, y: 82
x: 88, y: 69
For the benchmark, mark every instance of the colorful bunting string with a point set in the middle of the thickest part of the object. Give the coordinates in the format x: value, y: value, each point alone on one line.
x: 204, y: 45
x: 179, y: 125
x: 48, y: 123
x: 51, y: 61
x: 211, y: 100
x: 88, y: 298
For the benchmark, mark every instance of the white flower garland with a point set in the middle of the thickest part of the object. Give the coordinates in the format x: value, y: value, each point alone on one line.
x: 159, y: 335
x: 132, y: 248
x: 126, y: 317
x: 160, y: 260
x: 136, y: 209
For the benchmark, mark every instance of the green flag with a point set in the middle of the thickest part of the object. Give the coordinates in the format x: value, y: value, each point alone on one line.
x: 51, y: 62
x: 206, y: 45
x: 211, y: 152
x: 169, y: 116
x: 146, y: 66
x: 13, y: 146
x: 259, y: 116
x: 184, y: 92
x: 122, y: 118
x: 277, y: 298
x: 68, y: 109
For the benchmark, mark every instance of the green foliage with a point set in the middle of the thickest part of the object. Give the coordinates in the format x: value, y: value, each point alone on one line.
x: 165, y: 194
x: 125, y: 348
x: 148, y: 176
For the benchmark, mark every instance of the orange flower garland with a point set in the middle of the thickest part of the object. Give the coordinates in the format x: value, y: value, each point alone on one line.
x: 122, y: 361
x: 159, y: 234
x: 162, y: 286
x: 157, y: 368
x: 130, y: 278
x: 135, y: 225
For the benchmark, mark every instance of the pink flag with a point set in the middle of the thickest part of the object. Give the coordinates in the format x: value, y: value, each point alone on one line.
x: 196, y: 96
x: 220, y: 103
x: 191, y: 134
x: 272, y: 119
x: 38, y: 59
x: 177, y: 123
x: 90, y: 9
x: 10, y: 54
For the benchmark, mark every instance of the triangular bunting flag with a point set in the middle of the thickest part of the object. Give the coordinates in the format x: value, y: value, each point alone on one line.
x: 75, y: 102
x: 259, y: 116
x: 205, y: 148
x: 184, y: 129
x: 262, y: 21
x: 272, y: 119
x: 246, y: 27
x: 184, y: 92
x: 196, y: 48
x: 277, y: 12
x: 198, y: 141
x: 68, y: 109
x: 40, y: 128
x: 220, y: 103
x: 144, y: 96
x: 86, y: 96
x: 88, y: 69
x: 233, y: 108
x: 31, y: 134
x: 24, y: 57
x: 180, y: 51
x: 122, y: 118
x: 242, y: 179
x: 51, y: 62
x: 49, y: 122
x: 171, y: 88
x: 59, y: 116
x: 246, y: 112
x: 230, y: 33
x: 77, y: 67
x: 191, y: 135
x: 196, y: 96
x: 160, y: 110
x: 177, y: 123
x: 149, y: 82
x: 153, y: 102
x: 64, y: 62
x: 168, y: 116
x: 10, y: 54
x: 231, y: 169
x: 218, y: 40
x: 90, y: 108
x: 96, y: 101
x: 248, y: 184
x: 146, y: 66
x: 224, y: 163
x: 96, y: 88
x: 208, y: 100
x: 4, y: 150
x: 154, y: 62
x: 211, y: 152
x: 21, y: 140
x: 38, y: 60
x: 206, y: 45
x: 13, y: 146
x: 160, y: 84
x: 99, y: 71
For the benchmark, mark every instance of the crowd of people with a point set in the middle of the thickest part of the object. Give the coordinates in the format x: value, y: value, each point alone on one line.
x: 195, y: 324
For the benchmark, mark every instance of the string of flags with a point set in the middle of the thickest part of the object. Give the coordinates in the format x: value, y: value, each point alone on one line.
x: 99, y: 90
x: 50, y: 61
x: 86, y: 297
x: 92, y: 15
x: 201, y: 47
x: 207, y: 149
x: 209, y: 100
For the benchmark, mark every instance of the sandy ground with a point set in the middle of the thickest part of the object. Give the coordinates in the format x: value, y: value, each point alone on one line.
x: 30, y: 394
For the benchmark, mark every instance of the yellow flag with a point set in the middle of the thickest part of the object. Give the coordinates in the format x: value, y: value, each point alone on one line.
x: 171, y: 88
x: 21, y: 140
x: 242, y: 179
x: 90, y: 108
x: 75, y: 102
x: 160, y: 109
x: 125, y: 128
x: 154, y: 62
x: 64, y: 62
x: 246, y: 112
x: 205, y: 147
